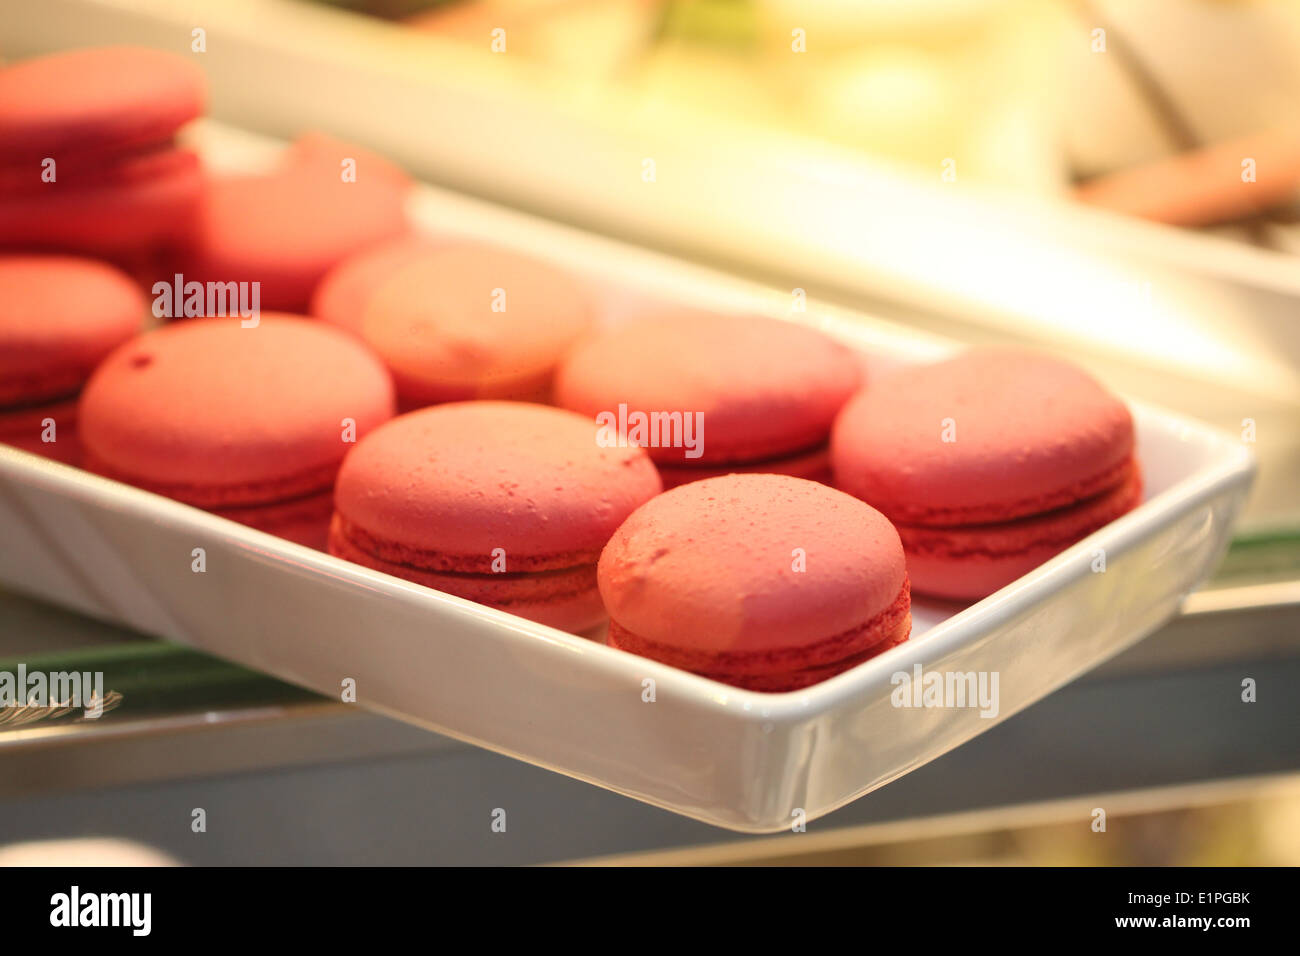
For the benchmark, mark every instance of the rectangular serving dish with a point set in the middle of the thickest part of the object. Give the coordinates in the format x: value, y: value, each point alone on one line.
x: 737, y: 759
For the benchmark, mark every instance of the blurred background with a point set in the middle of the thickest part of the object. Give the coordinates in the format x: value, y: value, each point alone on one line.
x: 1117, y: 180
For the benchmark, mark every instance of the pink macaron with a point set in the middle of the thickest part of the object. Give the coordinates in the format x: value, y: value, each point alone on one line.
x: 989, y: 464
x: 250, y: 423
x: 503, y: 503
x: 87, y: 161
x: 285, y: 229
x: 59, y: 316
x: 468, y: 321
x: 767, y: 582
x: 344, y: 294
x: 712, y: 394
x: 95, y: 100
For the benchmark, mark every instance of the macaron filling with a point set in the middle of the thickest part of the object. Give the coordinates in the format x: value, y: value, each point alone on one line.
x: 1107, y: 480
x: 1056, y: 529
x: 430, y: 559
x: 537, y: 580
x: 813, y: 464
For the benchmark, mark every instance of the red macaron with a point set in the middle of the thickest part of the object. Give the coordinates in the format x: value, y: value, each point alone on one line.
x: 767, y: 582
x: 470, y: 321
x: 250, y: 423
x: 59, y: 316
x: 503, y: 503
x: 989, y: 464
x: 285, y: 229
x: 87, y: 161
x: 712, y: 394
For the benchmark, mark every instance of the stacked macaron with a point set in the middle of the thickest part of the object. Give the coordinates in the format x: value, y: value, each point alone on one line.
x: 87, y: 157
x: 59, y: 317
x: 504, y: 503
x: 251, y: 423
x: 456, y: 321
x: 767, y: 582
x: 989, y: 463
x: 711, y: 394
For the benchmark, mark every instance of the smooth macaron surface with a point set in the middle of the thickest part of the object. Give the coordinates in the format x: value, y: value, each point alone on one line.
x: 91, y: 100
x: 221, y: 415
x: 344, y: 294
x: 765, y: 387
x: 59, y: 316
x: 286, y: 229
x: 445, y: 486
x: 712, y: 566
x: 474, y: 321
x: 991, y: 435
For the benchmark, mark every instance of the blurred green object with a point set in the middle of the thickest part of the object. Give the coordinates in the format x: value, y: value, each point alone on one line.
x: 1260, y: 557
x: 152, y: 678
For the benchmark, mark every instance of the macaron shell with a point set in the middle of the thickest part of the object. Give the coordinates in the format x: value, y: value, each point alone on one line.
x: 287, y: 229
x: 968, y: 563
x: 59, y: 316
x: 343, y: 296
x: 468, y: 478
x: 765, y: 387
x: 472, y: 321
x: 209, y: 404
x: 1030, y: 433
x: 88, y: 100
x: 713, y: 565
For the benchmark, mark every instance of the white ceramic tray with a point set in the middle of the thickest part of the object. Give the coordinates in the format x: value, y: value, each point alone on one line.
x: 734, y: 758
